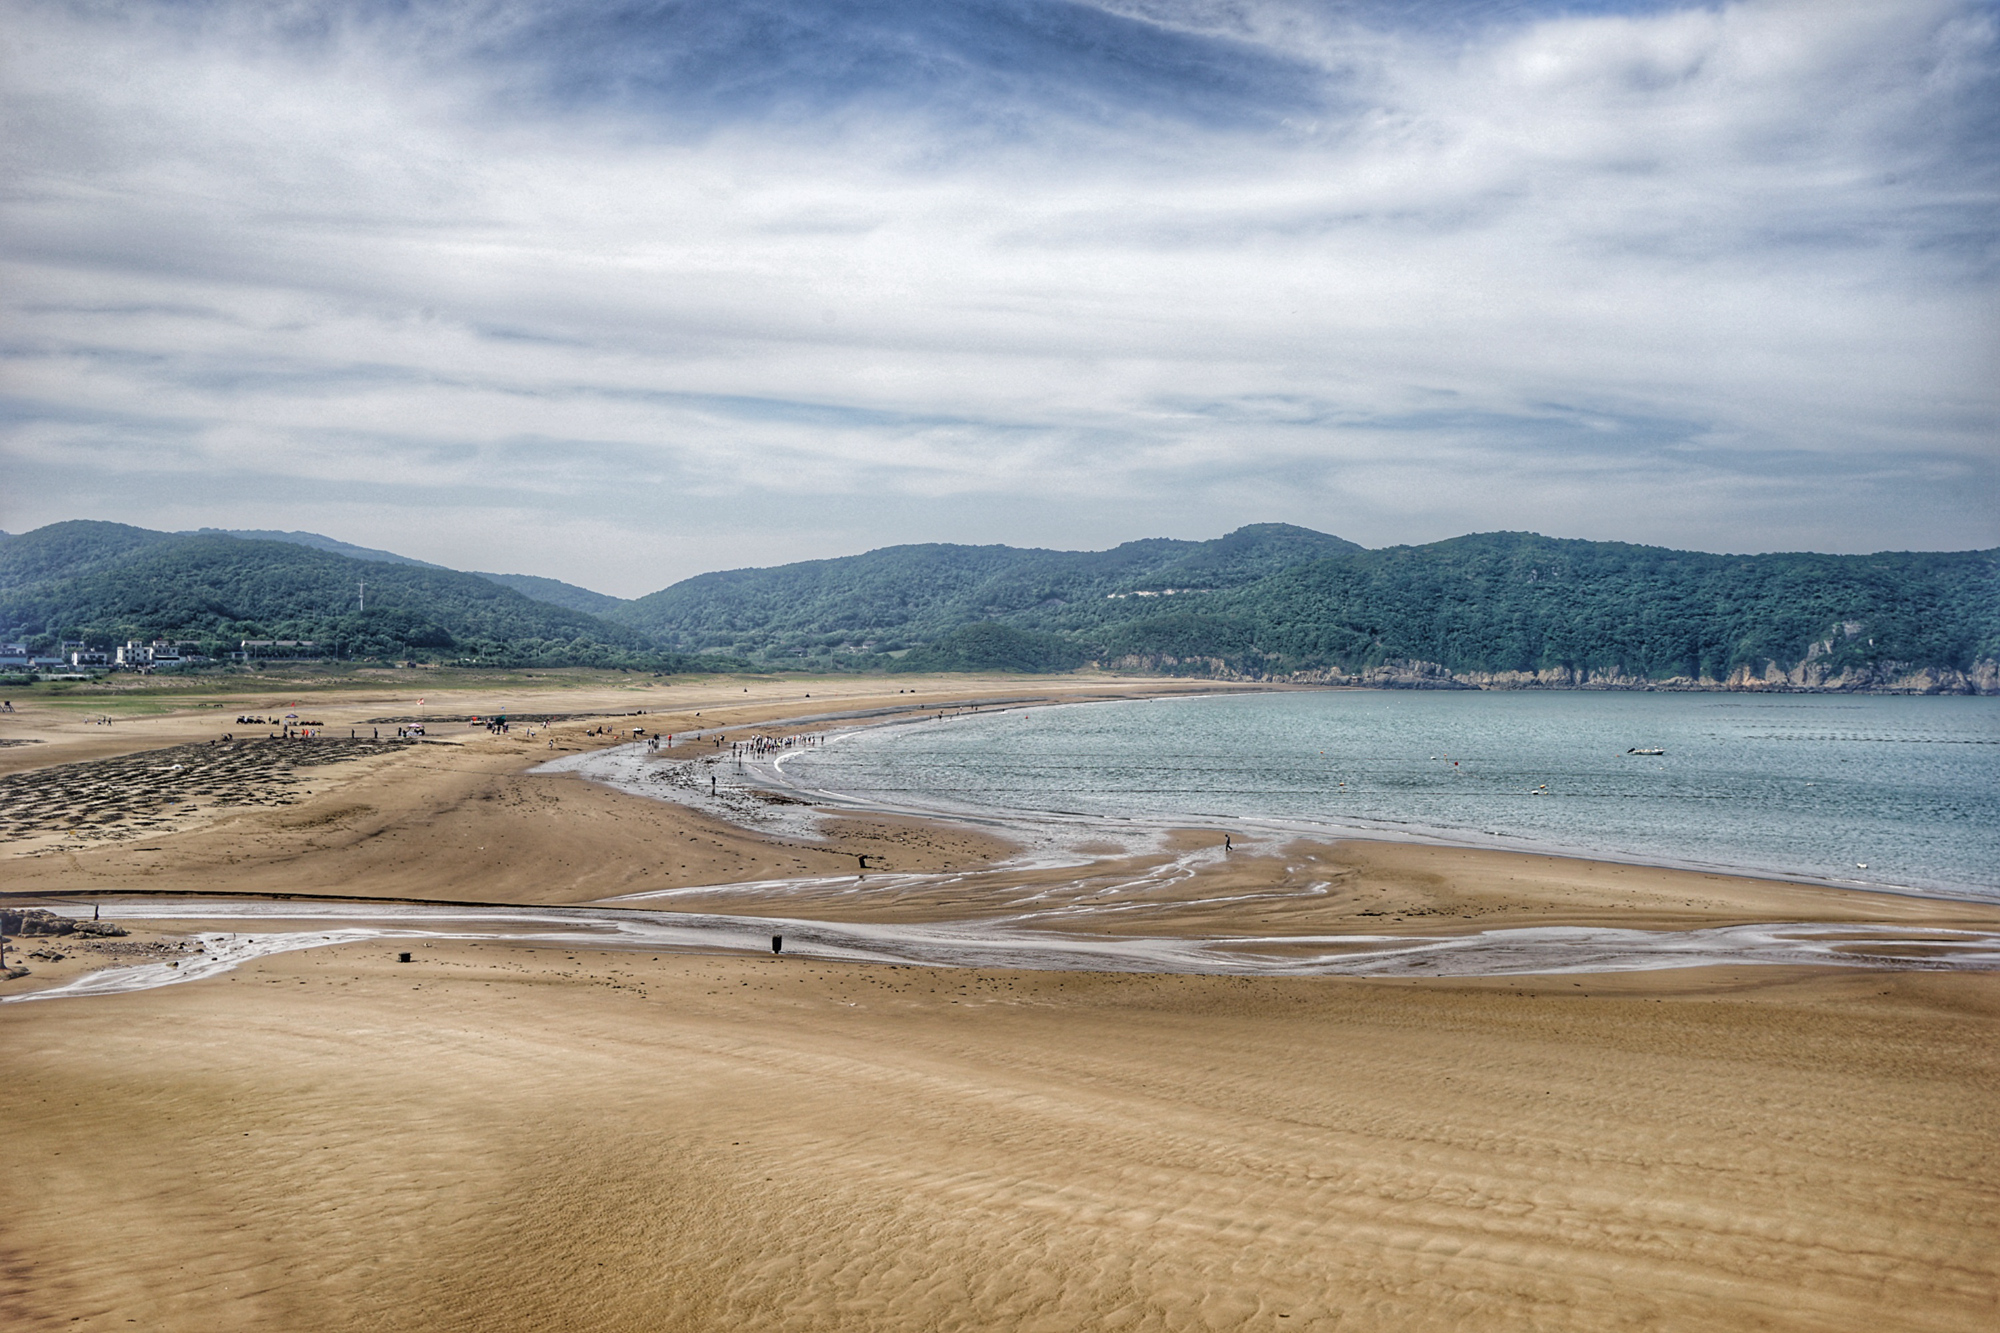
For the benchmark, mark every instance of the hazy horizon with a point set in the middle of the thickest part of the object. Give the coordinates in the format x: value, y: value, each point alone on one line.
x: 620, y: 296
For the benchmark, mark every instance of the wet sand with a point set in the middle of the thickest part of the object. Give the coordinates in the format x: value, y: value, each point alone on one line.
x: 512, y: 1135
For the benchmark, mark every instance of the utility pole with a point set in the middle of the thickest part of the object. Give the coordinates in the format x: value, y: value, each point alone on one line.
x: 364, y: 596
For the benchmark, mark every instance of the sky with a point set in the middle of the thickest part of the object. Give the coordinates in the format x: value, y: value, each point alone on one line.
x: 619, y: 293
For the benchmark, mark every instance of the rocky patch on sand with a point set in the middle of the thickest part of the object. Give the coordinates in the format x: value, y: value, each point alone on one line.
x: 26, y: 921
x: 38, y: 923
x: 133, y: 795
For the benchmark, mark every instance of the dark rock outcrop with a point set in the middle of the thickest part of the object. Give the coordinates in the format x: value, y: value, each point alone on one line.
x: 27, y: 921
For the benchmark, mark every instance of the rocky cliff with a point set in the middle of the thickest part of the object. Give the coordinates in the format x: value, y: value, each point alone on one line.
x: 1807, y: 677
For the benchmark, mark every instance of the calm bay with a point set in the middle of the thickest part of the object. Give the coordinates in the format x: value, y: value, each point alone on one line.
x: 1868, y: 791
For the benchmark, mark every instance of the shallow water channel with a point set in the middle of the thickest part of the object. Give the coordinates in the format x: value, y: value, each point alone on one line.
x: 232, y: 932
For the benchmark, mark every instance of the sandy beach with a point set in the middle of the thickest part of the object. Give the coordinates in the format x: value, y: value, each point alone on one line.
x: 521, y: 1134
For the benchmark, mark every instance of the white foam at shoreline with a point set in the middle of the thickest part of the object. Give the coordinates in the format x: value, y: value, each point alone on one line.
x: 634, y: 769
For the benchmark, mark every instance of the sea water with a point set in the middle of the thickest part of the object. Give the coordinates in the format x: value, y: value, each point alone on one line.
x: 1876, y: 791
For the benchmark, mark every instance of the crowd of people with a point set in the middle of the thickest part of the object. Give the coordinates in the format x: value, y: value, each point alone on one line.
x: 763, y: 745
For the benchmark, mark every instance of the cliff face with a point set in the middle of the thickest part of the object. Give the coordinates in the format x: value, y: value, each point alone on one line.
x: 1807, y: 677
x: 1875, y: 678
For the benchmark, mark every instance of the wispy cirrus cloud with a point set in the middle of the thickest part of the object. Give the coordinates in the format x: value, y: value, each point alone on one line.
x: 643, y: 280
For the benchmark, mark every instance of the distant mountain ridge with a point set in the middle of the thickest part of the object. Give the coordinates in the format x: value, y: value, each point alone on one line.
x: 1269, y: 601
x: 1278, y: 602
x: 316, y: 541
x: 557, y: 593
x: 1520, y: 609
x: 102, y: 583
x: 899, y: 597
x: 553, y: 591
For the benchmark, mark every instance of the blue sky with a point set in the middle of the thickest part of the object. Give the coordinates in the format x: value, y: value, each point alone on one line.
x: 624, y: 292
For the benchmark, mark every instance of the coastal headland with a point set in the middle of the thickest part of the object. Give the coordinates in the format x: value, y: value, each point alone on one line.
x: 548, y: 1133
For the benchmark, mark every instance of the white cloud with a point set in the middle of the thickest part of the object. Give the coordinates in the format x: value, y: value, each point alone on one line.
x: 1708, y: 277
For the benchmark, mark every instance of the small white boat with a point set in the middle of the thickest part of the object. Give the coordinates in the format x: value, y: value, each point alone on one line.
x: 1645, y: 749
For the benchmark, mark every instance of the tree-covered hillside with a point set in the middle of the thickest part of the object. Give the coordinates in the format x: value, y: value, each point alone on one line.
x: 1521, y: 603
x: 317, y: 541
x: 902, y: 597
x: 557, y: 593
x: 1282, y: 601
x: 553, y: 591
x: 104, y: 583
x: 1267, y: 601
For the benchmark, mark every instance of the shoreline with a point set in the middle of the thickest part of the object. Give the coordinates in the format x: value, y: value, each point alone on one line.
x: 767, y: 772
x: 767, y: 848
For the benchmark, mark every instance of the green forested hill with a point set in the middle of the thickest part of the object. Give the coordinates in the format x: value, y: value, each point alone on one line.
x: 67, y: 550
x: 1521, y: 603
x: 902, y: 597
x: 1266, y: 601
x: 1275, y: 600
x: 553, y: 591
x: 105, y: 582
x: 315, y: 540
x: 557, y: 593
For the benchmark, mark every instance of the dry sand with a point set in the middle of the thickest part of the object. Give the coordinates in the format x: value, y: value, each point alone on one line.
x: 454, y: 818
x: 516, y: 1139
x: 500, y: 1136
